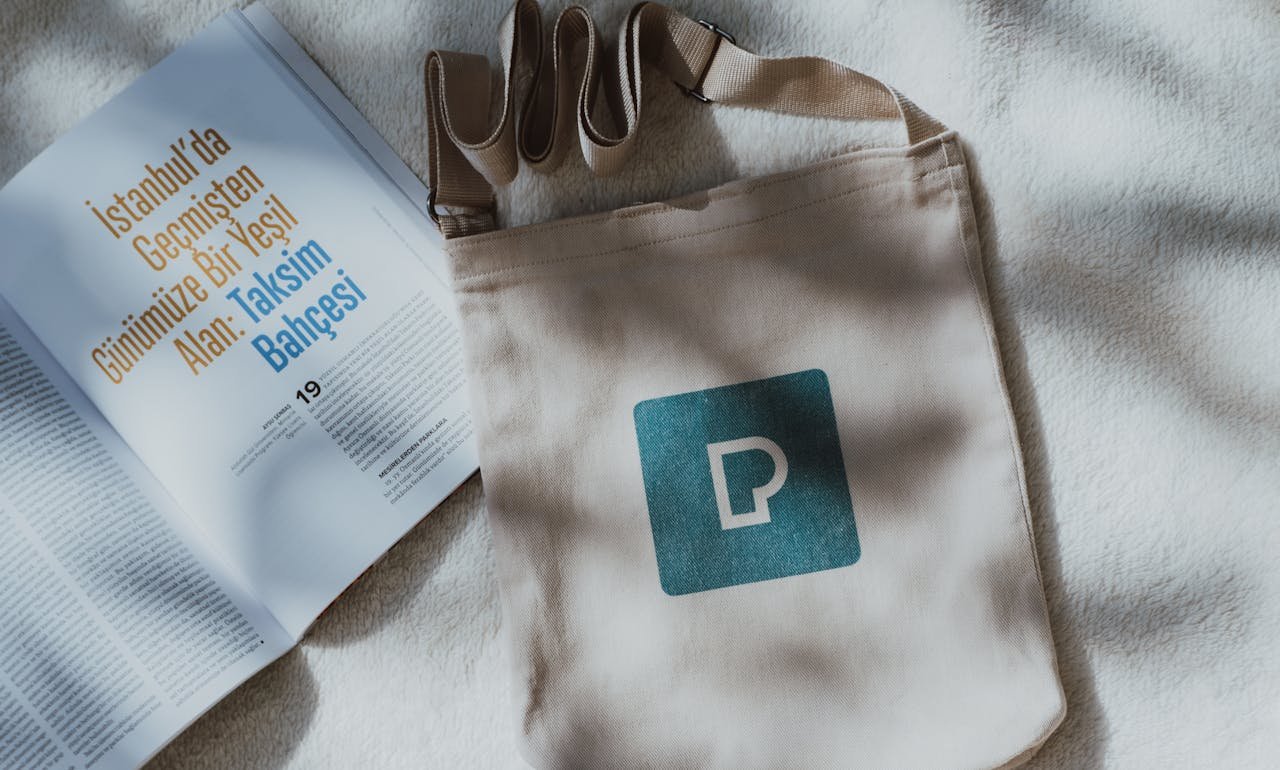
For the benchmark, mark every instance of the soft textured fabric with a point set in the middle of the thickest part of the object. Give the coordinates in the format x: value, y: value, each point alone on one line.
x: 1125, y: 184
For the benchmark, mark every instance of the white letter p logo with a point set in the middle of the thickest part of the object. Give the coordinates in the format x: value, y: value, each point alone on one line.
x: 761, y: 495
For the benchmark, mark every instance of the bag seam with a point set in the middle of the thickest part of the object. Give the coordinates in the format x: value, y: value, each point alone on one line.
x: 1024, y: 501
x: 461, y: 281
x: 714, y: 194
x: 994, y: 356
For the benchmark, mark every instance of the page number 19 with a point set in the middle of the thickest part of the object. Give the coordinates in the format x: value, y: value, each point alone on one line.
x: 309, y: 391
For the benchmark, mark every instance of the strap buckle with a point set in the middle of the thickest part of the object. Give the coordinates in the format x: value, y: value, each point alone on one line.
x: 461, y: 223
x: 718, y: 30
x: 431, y: 207
x: 696, y: 90
x: 435, y: 214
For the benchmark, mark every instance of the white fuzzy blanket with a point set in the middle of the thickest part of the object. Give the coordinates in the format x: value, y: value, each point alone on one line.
x: 1128, y: 178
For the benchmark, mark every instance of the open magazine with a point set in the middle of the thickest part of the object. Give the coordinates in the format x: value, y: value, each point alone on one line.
x: 230, y: 380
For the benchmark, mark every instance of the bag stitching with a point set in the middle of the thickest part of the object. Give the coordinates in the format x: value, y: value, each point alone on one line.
x: 462, y: 244
x: 988, y: 325
x: 463, y: 280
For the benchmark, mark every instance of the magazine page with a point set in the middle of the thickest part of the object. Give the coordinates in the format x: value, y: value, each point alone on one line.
x: 118, y: 626
x: 258, y: 308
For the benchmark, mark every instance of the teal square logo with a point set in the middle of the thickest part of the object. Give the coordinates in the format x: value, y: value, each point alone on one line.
x: 745, y: 483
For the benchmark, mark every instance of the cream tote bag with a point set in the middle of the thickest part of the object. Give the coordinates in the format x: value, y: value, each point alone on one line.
x: 754, y: 482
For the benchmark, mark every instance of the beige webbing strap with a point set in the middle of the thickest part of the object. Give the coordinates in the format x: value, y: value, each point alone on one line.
x: 471, y: 152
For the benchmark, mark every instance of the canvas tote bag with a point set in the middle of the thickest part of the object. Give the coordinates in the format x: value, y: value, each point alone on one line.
x: 754, y: 483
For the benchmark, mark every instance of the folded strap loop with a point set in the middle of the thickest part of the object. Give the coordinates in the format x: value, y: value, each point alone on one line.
x: 475, y: 143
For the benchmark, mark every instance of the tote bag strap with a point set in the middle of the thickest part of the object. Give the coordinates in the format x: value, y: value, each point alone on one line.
x: 476, y: 143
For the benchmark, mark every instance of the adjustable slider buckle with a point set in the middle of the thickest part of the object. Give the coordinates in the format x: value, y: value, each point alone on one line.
x: 696, y: 91
x: 718, y: 30
x: 431, y: 207
x: 435, y: 215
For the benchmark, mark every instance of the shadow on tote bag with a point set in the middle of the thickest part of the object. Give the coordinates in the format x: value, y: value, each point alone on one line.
x: 748, y: 456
